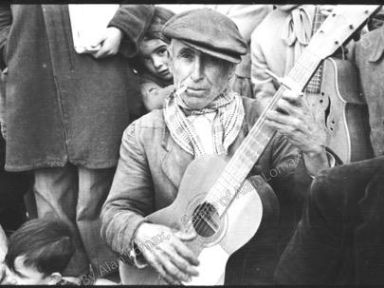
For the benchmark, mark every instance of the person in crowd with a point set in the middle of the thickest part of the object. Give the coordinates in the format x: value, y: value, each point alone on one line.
x: 247, y: 18
x: 156, y: 78
x: 340, y: 238
x: 37, y: 254
x: 65, y: 113
x: 14, y: 186
x: 204, y: 117
x: 278, y: 42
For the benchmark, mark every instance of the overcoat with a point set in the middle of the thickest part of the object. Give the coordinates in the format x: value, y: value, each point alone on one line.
x: 340, y: 239
x: 61, y: 106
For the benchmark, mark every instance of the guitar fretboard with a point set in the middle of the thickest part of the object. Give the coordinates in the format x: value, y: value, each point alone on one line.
x: 314, y: 84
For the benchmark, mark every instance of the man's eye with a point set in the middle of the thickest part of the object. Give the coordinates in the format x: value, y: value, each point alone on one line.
x: 162, y: 52
x: 187, y: 55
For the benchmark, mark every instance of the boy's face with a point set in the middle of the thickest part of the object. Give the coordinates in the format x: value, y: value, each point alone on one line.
x: 155, y: 56
x: 25, y: 275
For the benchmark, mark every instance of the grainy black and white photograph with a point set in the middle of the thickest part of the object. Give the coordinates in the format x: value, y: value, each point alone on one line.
x: 191, y: 144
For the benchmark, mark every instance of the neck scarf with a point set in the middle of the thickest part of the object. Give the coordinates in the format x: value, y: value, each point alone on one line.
x: 226, y: 124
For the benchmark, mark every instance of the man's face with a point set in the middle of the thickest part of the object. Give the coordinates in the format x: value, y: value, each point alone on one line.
x: 203, y: 76
x: 155, y: 57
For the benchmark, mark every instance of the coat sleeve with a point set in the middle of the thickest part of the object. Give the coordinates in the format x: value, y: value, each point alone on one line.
x: 131, y: 196
x: 133, y: 20
x: 5, y: 24
x: 288, y: 175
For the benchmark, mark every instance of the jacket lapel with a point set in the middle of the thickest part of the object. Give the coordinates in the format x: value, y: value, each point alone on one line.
x: 175, y: 160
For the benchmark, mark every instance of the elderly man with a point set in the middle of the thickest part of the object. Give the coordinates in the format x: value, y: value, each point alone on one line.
x: 204, y: 117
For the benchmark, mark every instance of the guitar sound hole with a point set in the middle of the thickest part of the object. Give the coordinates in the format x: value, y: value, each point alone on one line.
x: 206, y: 220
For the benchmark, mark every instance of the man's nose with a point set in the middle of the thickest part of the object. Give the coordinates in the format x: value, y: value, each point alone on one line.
x: 198, y: 69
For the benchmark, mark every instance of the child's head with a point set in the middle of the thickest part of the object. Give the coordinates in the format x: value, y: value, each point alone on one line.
x: 39, y: 251
x: 153, y: 47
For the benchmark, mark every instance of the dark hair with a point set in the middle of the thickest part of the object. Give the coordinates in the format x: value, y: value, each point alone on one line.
x: 154, y: 31
x: 46, y: 244
x: 160, y: 17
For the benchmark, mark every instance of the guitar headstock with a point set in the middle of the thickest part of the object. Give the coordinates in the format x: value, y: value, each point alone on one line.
x: 337, y: 28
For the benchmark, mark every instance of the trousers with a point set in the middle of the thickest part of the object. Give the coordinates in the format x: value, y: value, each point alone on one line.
x: 76, y: 195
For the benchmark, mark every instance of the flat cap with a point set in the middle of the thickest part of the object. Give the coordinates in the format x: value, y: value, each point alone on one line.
x: 209, y: 32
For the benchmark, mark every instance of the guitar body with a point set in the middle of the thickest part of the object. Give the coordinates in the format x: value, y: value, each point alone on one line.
x: 235, y: 229
x: 342, y: 111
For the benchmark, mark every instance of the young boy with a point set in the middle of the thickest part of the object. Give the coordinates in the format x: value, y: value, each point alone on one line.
x: 38, y: 252
x: 156, y: 78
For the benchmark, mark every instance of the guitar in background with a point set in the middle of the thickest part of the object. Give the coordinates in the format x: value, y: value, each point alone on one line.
x: 334, y: 97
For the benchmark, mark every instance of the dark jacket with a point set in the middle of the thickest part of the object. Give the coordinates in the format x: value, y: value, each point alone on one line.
x: 340, y: 239
x: 62, y: 106
x: 149, y: 172
x: 368, y: 54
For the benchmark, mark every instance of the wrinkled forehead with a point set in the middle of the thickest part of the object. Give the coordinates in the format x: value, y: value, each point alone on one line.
x: 177, y: 45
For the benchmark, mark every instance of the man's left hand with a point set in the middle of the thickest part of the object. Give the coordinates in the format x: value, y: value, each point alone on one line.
x: 293, y: 118
x: 109, y: 43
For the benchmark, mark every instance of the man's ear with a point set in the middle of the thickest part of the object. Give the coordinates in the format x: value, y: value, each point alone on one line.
x: 54, y: 278
x: 19, y: 262
x: 231, y: 71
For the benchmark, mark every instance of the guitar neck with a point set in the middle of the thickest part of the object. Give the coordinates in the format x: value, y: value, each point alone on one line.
x: 314, y: 85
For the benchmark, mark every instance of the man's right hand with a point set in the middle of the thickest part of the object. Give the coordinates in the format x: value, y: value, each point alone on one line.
x: 165, y: 252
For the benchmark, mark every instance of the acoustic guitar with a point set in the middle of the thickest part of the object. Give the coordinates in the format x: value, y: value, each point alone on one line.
x: 342, y: 111
x: 214, y: 199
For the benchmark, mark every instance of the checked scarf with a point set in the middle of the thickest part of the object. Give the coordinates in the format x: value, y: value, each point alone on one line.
x: 226, y: 123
